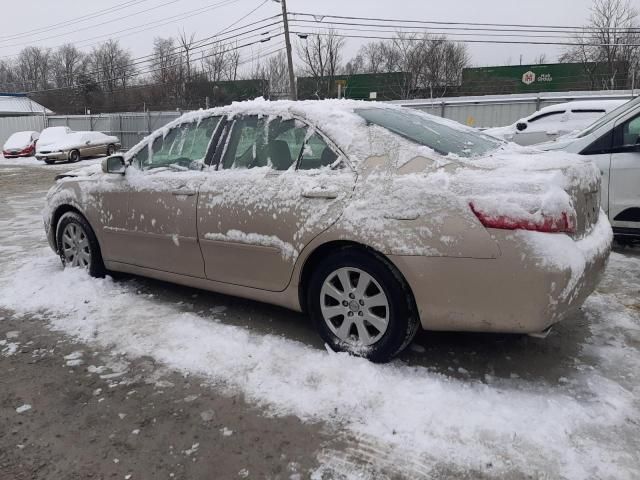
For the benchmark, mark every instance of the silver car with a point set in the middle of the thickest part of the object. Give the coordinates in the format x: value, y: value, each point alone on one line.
x: 375, y: 219
x: 74, y: 146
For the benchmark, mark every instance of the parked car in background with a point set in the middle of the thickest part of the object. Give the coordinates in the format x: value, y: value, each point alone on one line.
x: 20, y: 144
x: 50, y: 135
x: 613, y: 143
x: 74, y: 146
x: 555, y: 121
x: 375, y: 219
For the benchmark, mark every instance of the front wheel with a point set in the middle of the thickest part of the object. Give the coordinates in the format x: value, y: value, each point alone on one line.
x: 78, y: 245
x: 74, y: 156
x: 49, y: 162
x: 111, y: 149
x: 360, y: 304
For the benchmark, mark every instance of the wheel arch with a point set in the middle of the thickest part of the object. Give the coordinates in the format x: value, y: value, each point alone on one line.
x: 320, y: 252
x: 57, y: 215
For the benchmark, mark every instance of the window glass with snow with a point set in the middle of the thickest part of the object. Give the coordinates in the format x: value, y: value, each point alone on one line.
x: 316, y: 154
x: 627, y: 134
x: 183, y: 147
x: 264, y: 142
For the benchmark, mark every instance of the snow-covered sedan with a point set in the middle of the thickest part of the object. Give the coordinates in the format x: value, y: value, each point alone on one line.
x: 74, y: 146
x: 375, y: 219
x: 554, y: 121
x: 20, y: 144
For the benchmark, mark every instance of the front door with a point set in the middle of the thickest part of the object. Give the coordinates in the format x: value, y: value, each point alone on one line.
x: 259, y: 209
x: 163, y: 186
x: 624, y: 186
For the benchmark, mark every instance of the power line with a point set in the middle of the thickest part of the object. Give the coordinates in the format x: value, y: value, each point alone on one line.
x: 319, y: 18
x: 137, y: 74
x: 120, y: 6
x: 509, y: 42
x: 117, y: 19
x: 203, y: 43
x: 148, y: 26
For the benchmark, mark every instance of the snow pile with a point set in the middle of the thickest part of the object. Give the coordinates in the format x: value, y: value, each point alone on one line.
x: 286, y: 249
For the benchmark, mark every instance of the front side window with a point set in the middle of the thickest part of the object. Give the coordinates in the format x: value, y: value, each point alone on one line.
x: 437, y: 135
x: 627, y: 134
x: 550, y: 116
x: 183, y: 147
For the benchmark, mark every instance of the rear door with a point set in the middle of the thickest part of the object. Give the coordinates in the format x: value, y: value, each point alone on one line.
x: 624, y: 186
x: 260, y: 209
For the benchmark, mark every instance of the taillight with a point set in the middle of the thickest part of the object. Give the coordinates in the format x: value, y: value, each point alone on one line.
x: 563, y: 222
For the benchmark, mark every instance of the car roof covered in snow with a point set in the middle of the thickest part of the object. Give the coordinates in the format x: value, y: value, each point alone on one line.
x: 336, y: 118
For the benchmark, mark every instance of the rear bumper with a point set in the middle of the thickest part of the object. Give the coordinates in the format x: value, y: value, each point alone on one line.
x: 538, y: 280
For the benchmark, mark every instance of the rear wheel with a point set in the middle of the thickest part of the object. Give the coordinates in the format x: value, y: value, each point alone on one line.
x: 78, y: 245
x: 360, y: 304
x: 74, y: 156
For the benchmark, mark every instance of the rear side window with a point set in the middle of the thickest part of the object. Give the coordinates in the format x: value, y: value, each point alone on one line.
x: 548, y: 116
x: 437, y: 135
x: 316, y: 154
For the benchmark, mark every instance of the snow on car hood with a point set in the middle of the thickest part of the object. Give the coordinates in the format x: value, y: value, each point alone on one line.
x: 87, y: 171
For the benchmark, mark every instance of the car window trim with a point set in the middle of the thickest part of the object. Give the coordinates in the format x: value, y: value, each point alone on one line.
x: 545, y: 115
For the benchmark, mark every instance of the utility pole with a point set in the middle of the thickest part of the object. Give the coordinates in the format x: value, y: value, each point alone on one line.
x: 292, y: 77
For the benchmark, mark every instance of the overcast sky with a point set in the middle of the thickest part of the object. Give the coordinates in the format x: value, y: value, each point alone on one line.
x: 27, y: 15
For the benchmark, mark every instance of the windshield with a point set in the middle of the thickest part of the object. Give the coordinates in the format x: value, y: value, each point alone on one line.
x: 609, y: 116
x: 436, y: 135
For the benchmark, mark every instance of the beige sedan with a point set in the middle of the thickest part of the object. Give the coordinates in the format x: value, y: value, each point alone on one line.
x: 74, y: 146
x: 374, y: 219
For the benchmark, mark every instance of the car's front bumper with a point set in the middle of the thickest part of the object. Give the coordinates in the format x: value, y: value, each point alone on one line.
x: 538, y: 280
x: 52, y: 156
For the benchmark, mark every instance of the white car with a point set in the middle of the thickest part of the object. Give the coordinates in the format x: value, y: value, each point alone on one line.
x: 555, y: 121
x: 613, y: 143
x: 50, y: 135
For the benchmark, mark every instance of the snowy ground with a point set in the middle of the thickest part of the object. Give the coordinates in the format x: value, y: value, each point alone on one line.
x: 454, y: 406
x: 31, y: 162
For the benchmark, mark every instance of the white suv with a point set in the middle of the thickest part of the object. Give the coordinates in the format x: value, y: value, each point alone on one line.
x: 613, y: 143
x: 554, y: 121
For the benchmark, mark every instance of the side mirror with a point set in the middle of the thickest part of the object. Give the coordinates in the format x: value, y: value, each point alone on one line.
x: 521, y: 126
x: 114, y: 164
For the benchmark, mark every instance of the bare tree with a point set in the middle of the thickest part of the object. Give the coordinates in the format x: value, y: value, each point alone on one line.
x: 112, y: 65
x: 221, y: 62
x: 608, y: 41
x: 540, y: 59
x: 422, y: 62
x: 187, y: 44
x: 321, y: 55
x: 67, y: 64
x: 33, y: 68
x: 168, y: 69
x: 9, y: 81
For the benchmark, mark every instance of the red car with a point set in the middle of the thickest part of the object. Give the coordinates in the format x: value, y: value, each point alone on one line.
x: 20, y: 144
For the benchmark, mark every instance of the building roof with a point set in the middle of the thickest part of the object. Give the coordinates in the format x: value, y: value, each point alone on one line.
x: 20, y: 104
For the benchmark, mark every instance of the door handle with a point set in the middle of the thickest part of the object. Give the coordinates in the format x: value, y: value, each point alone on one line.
x: 184, y: 193
x: 328, y: 194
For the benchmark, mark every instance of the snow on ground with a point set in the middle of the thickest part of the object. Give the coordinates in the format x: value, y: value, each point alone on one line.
x: 32, y: 162
x: 409, y: 417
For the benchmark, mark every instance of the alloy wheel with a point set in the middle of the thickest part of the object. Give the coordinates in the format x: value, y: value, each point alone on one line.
x: 354, y: 306
x: 75, y: 246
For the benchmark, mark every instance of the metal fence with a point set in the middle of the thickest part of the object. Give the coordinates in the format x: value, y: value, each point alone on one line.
x: 501, y: 110
x: 10, y: 125
x: 129, y: 127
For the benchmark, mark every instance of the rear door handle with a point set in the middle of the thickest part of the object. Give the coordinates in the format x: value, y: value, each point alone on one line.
x: 184, y: 193
x: 329, y: 194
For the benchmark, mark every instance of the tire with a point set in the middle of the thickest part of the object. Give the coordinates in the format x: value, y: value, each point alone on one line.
x: 74, y: 156
x: 77, y: 244
x: 111, y: 149
x: 349, y: 330
x: 49, y: 162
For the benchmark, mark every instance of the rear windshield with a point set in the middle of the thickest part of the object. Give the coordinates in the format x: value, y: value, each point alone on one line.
x: 612, y: 114
x: 421, y: 129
